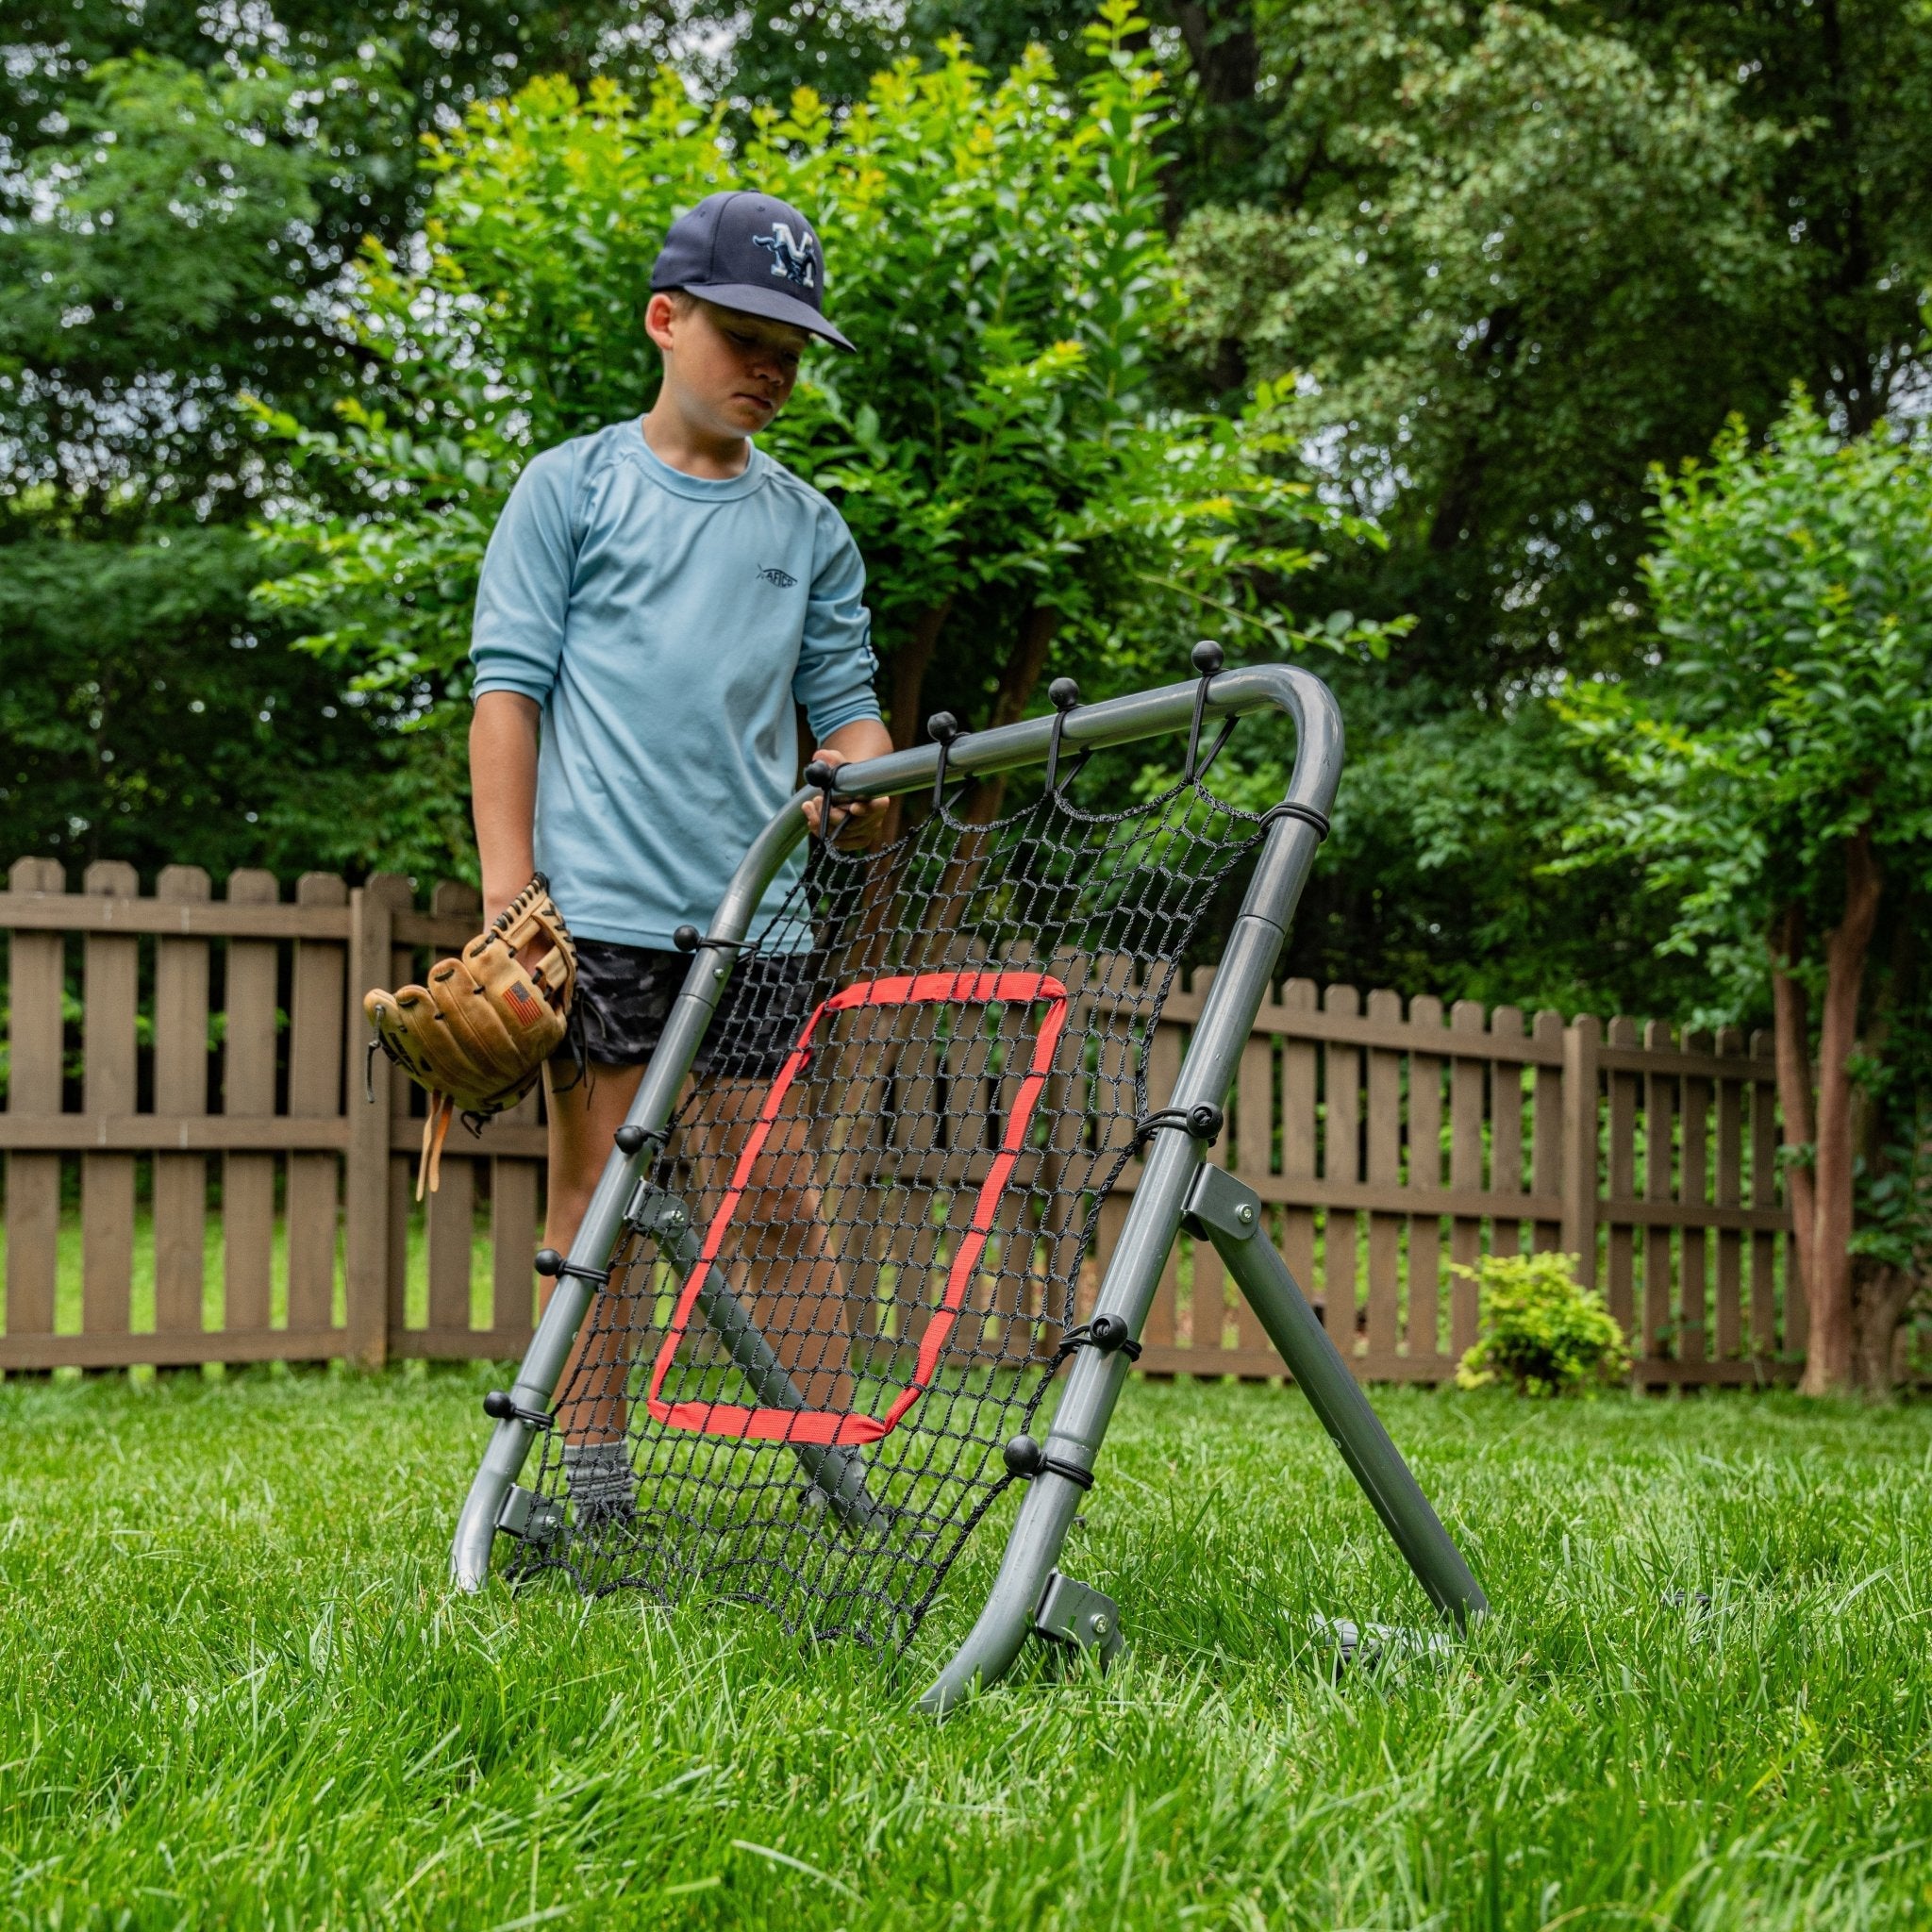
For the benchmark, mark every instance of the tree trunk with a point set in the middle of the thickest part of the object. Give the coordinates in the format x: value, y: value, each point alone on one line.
x: 1880, y: 1296
x: 911, y: 662
x: 1221, y: 48
x: 909, y: 665
x: 1792, y: 1032
x: 1019, y: 679
x: 1828, y: 1285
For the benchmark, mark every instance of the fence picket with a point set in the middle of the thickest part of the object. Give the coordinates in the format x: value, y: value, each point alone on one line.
x: 1465, y: 1171
x: 1764, y: 1193
x: 315, y: 1077
x: 1547, y: 1131
x: 1659, y: 1151
x: 107, y: 1072
x: 1693, y: 1283
x: 1506, y: 1129
x: 1208, y: 1296
x: 34, y: 1037
x: 1163, y: 1068
x: 1426, y: 1171
x: 452, y: 1206
x: 1342, y: 1094
x: 1621, y: 1241
x: 181, y: 1180
x: 403, y: 1096
x: 1298, y: 1135
x: 1727, y: 1192
x: 1253, y: 1145
x: 1385, y: 1169
x: 366, y: 1234
x: 249, y: 1033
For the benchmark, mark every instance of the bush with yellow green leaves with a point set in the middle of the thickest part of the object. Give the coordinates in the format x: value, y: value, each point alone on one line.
x: 1542, y: 1329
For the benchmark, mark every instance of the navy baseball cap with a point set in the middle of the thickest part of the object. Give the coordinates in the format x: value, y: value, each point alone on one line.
x: 749, y: 252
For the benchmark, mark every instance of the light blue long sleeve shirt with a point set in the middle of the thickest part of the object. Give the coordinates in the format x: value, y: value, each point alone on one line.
x: 666, y: 623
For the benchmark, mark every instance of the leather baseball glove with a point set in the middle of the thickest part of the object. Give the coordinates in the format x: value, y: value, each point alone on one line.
x: 478, y: 1034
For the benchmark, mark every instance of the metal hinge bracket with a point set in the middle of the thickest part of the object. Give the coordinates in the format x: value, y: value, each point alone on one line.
x: 665, y: 1219
x: 1219, y: 1202
x: 530, y: 1517
x: 1076, y: 1613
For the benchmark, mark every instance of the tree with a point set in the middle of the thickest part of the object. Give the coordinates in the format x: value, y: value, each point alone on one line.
x: 1509, y: 264
x: 997, y: 252
x: 147, y: 715
x: 1777, y: 775
x: 1512, y: 254
x: 180, y: 189
x: 1849, y: 85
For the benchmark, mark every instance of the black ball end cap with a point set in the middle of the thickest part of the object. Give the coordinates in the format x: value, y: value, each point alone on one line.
x: 686, y: 939
x: 821, y: 775
x: 1064, y: 692
x: 942, y: 727
x: 1207, y: 658
x: 500, y: 1405
x: 1110, y: 1332
x: 629, y: 1138
x: 1024, y: 1456
x: 549, y: 1262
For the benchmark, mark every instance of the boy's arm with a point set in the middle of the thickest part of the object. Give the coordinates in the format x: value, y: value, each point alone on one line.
x: 503, y: 788
x: 852, y: 744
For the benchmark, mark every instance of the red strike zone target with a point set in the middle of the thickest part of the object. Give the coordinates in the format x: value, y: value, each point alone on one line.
x: 739, y: 1423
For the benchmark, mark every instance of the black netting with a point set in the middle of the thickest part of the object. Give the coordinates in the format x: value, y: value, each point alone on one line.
x: 928, y: 1071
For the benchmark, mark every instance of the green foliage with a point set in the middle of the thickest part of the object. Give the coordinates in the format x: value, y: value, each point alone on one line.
x: 145, y: 716
x: 1512, y: 254
x: 1542, y: 1331
x: 171, y: 249
x: 1793, y: 709
x: 996, y: 252
x: 1510, y: 261
x: 180, y: 189
x: 1849, y: 90
x: 1432, y: 878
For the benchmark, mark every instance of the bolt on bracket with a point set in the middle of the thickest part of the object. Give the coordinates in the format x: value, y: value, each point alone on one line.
x: 1218, y: 1201
x: 530, y: 1517
x: 1076, y: 1613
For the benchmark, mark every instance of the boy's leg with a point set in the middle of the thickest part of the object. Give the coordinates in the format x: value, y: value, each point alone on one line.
x: 778, y: 1255
x: 584, y: 1117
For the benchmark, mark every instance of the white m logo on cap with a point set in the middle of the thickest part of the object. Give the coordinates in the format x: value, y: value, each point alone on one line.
x: 791, y: 258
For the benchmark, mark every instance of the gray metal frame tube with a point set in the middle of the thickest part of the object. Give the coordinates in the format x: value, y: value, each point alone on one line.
x: 838, y: 1471
x: 1285, y: 860
x: 548, y: 1356
x: 1338, y: 1400
x: 1095, y: 1380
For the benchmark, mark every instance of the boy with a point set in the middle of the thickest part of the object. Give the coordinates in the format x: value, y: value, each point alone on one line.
x: 654, y: 598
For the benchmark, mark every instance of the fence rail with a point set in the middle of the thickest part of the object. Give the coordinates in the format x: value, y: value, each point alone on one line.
x: 193, y: 1175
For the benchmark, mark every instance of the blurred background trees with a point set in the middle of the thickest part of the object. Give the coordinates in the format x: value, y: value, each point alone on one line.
x: 1460, y: 273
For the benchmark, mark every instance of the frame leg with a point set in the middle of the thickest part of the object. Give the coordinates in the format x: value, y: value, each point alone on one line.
x: 839, y: 1473
x: 1229, y: 1214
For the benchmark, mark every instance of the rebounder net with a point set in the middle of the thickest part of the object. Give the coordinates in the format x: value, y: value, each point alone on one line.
x: 854, y: 1269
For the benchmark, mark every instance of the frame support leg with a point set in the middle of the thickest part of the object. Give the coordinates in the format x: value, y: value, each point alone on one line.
x: 837, y: 1473
x: 1229, y: 1215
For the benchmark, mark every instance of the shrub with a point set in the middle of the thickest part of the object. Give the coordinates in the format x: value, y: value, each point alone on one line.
x: 1542, y: 1330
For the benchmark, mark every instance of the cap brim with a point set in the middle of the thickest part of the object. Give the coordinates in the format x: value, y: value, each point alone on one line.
x: 769, y: 303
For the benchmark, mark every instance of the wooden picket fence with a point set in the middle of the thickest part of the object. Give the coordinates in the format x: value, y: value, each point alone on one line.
x: 192, y: 1173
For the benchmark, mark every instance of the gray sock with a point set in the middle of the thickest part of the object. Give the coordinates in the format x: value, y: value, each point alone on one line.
x: 603, y: 1488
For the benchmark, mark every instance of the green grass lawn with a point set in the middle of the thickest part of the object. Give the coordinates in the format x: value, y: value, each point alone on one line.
x: 236, y: 1693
